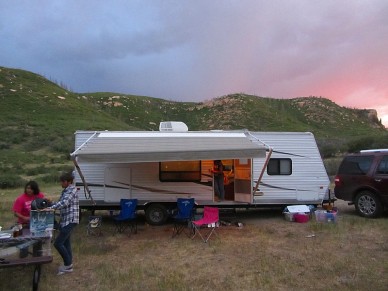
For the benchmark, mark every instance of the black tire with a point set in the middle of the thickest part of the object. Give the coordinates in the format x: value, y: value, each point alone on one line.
x: 156, y: 214
x: 36, y: 277
x: 368, y: 204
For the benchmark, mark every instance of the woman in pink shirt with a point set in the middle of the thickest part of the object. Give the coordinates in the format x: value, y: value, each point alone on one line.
x: 22, y: 205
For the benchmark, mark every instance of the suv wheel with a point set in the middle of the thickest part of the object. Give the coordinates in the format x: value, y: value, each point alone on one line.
x: 368, y: 205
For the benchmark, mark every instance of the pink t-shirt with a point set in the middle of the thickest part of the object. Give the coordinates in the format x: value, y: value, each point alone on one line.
x: 22, y: 205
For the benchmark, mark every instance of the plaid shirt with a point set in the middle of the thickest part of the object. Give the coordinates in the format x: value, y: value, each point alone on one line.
x: 68, y: 205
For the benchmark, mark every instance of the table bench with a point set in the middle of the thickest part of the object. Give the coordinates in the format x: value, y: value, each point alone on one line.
x: 36, y: 261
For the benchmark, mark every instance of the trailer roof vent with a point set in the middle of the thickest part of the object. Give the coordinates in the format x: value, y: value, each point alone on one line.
x: 173, y: 126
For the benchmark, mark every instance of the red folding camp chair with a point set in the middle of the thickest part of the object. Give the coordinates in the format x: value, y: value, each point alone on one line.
x: 207, y: 224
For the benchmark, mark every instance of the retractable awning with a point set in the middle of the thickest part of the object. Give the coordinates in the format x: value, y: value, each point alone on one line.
x: 132, y: 147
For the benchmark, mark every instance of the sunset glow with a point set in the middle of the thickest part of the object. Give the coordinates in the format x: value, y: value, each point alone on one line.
x: 199, y: 50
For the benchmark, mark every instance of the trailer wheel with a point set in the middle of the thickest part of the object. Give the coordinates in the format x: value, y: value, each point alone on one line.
x: 156, y: 214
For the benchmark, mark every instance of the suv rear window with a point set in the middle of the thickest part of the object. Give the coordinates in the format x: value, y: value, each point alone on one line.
x: 356, y: 165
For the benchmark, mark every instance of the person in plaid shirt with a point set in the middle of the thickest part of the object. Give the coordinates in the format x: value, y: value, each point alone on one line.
x: 68, y: 205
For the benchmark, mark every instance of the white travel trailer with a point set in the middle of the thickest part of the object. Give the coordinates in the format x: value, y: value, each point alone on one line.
x: 262, y: 169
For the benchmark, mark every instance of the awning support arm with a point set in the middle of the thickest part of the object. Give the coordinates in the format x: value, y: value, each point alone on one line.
x: 86, y: 187
x: 262, y: 170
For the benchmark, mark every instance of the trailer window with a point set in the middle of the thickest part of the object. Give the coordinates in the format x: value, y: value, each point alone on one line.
x: 279, y: 167
x: 183, y: 171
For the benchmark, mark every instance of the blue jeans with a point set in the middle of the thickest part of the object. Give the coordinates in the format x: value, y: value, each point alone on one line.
x: 62, y: 243
x: 219, y: 187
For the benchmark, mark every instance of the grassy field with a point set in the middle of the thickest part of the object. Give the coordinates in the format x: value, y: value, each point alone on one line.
x: 267, y: 253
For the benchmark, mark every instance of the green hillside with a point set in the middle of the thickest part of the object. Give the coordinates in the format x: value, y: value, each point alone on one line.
x: 336, y: 128
x: 37, y: 124
x: 237, y: 111
x: 38, y: 119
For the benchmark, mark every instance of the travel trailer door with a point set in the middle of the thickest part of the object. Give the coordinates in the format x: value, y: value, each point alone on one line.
x: 243, y: 180
x: 117, y: 183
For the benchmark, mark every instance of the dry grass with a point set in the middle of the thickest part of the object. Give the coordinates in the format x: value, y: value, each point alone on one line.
x: 267, y: 253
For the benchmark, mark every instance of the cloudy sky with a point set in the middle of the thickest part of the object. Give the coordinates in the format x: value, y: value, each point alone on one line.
x: 187, y: 50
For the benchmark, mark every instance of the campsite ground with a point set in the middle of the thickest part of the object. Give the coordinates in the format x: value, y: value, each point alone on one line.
x: 266, y: 253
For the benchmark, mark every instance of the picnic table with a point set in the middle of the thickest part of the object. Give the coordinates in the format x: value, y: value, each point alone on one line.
x: 25, y: 250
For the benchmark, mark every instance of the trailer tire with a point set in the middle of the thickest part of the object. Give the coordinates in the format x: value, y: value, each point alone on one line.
x: 156, y: 214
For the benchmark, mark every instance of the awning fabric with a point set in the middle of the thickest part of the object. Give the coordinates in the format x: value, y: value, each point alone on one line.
x: 132, y: 147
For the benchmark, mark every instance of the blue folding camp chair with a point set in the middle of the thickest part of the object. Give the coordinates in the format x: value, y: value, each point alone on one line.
x: 182, y: 220
x: 127, y: 216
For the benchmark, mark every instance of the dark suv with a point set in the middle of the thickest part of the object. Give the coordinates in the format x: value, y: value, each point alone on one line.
x: 362, y: 179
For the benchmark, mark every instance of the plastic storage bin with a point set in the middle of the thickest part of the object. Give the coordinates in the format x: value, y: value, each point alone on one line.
x: 301, y: 217
x: 289, y: 216
x: 324, y: 216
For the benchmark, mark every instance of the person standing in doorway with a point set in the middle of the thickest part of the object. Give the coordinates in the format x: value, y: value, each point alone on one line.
x: 68, y: 205
x: 218, y: 178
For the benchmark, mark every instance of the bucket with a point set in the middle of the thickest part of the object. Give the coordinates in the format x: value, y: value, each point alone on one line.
x: 301, y: 217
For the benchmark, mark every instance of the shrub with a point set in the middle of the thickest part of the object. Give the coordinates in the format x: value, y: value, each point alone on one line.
x: 53, y: 174
x: 4, y: 146
x: 61, y: 146
x: 17, y: 137
x: 67, y: 169
x: 35, y: 144
x: 52, y: 177
x: 332, y: 165
x: 328, y: 151
x: 368, y: 142
x: 11, y: 181
x: 36, y: 171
